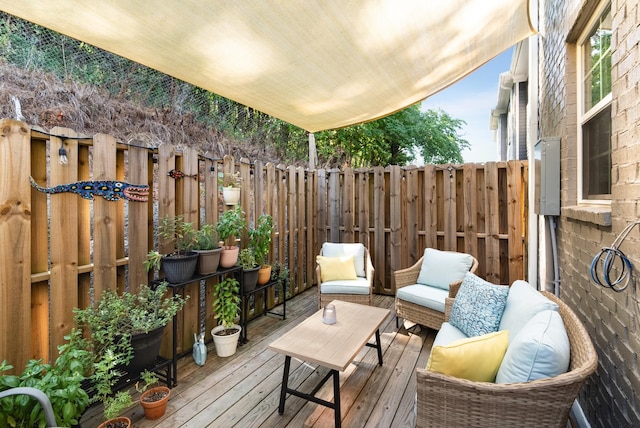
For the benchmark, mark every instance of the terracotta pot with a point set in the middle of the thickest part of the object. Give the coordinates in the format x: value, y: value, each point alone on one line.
x: 155, y: 409
x: 264, y: 274
x: 119, y: 422
x: 229, y: 256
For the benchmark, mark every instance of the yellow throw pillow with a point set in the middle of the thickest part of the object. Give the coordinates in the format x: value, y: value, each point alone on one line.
x: 476, y: 358
x: 335, y: 268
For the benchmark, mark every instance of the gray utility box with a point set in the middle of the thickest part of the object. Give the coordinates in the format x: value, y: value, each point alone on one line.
x: 547, y: 176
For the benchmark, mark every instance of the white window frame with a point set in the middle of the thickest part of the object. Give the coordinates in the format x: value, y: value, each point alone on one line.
x: 583, y: 116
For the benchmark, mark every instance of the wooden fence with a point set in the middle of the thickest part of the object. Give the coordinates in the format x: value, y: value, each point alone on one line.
x: 59, y: 251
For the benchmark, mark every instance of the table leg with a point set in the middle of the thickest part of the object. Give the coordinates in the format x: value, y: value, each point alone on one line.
x: 285, y: 381
x: 379, y: 346
x: 336, y: 398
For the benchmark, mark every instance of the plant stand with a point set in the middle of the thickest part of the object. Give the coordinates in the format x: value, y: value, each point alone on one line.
x: 244, y: 305
x: 175, y: 288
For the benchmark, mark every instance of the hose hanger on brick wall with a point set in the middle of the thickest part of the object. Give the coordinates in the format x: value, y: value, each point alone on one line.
x: 610, y: 259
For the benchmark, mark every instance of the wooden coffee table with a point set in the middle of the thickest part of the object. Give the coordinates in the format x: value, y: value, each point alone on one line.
x: 330, y: 345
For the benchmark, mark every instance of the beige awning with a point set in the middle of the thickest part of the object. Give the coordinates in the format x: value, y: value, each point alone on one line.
x: 316, y: 64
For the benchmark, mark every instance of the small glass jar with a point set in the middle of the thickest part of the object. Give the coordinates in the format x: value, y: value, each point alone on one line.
x: 329, y: 314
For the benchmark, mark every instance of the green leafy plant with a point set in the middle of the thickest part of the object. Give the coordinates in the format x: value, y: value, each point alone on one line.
x: 247, y: 259
x: 226, y: 302
x: 105, y: 376
x: 260, y: 238
x: 180, y: 232
x: 117, y: 317
x: 230, y: 179
x: 206, y: 238
x: 61, y: 382
x: 230, y: 225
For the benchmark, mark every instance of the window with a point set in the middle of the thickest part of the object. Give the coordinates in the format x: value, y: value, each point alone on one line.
x: 594, y: 113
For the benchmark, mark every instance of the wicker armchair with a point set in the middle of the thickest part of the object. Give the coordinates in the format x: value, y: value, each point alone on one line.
x: 446, y: 401
x: 364, y: 299
x: 416, y: 313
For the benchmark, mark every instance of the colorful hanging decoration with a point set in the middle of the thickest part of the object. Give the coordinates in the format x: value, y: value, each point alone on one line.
x: 176, y: 173
x: 110, y: 190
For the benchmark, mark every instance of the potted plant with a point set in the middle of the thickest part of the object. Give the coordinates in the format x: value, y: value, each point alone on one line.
x: 130, y: 324
x: 249, y: 269
x: 180, y: 264
x: 61, y: 382
x: 230, y: 225
x: 231, y: 184
x: 154, y: 398
x: 206, y: 245
x: 105, y: 376
x: 226, y: 308
x: 260, y: 242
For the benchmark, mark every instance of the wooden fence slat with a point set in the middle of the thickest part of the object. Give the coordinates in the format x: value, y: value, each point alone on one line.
x: 430, y: 210
x: 450, y: 209
x: 379, y: 233
x: 138, y: 238
x: 470, y: 209
x: 492, y: 261
x: 64, y: 239
x: 39, y: 254
x: 104, y: 217
x: 347, y: 209
x: 515, y: 210
x: 15, y: 229
x: 395, y: 218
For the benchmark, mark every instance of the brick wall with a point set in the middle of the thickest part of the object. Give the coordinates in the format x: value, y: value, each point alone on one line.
x: 611, y: 398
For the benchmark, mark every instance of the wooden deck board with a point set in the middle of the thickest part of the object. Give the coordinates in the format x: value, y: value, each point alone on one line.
x: 244, y: 390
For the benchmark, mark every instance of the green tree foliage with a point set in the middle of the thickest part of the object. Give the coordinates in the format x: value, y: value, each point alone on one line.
x: 394, y: 140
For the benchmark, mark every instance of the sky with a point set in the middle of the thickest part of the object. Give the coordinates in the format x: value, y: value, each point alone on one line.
x: 472, y: 99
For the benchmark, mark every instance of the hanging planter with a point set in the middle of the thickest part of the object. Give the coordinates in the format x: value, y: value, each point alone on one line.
x: 231, y: 195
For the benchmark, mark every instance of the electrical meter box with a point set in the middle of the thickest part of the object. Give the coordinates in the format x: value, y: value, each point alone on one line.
x: 547, y: 176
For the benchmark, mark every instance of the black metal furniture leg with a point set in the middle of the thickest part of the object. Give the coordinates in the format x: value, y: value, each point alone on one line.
x: 379, y: 347
x: 285, y: 381
x: 336, y: 398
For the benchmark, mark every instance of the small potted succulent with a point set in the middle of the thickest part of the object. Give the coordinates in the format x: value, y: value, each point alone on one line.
x: 230, y: 225
x: 226, y: 308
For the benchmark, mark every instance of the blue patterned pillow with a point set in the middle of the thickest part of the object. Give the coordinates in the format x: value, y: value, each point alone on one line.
x: 478, y: 306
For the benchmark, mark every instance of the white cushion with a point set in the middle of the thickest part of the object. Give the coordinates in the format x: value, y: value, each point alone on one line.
x: 430, y: 297
x: 523, y: 302
x: 447, y: 334
x: 441, y: 268
x: 540, y: 350
x: 330, y: 249
x: 345, y: 286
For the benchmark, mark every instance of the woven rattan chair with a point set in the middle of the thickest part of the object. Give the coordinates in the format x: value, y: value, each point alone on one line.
x: 446, y: 401
x: 416, y: 313
x: 364, y: 299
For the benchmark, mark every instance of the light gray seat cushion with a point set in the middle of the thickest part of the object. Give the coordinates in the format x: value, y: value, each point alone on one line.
x: 424, y: 295
x: 345, y: 286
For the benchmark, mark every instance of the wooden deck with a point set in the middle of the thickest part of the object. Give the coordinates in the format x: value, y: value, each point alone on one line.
x: 243, y: 390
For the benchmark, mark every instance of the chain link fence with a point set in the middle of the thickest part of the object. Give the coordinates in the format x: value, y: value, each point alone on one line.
x: 179, y: 108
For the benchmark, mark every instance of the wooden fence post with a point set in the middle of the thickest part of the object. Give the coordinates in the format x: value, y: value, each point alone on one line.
x: 15, y: 245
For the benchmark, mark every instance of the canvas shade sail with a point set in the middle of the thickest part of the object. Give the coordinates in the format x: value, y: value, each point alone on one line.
x: 316, y: 64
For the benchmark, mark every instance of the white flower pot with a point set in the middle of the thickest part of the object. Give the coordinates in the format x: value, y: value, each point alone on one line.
x: 231, y: 195
x: 225, y: 345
